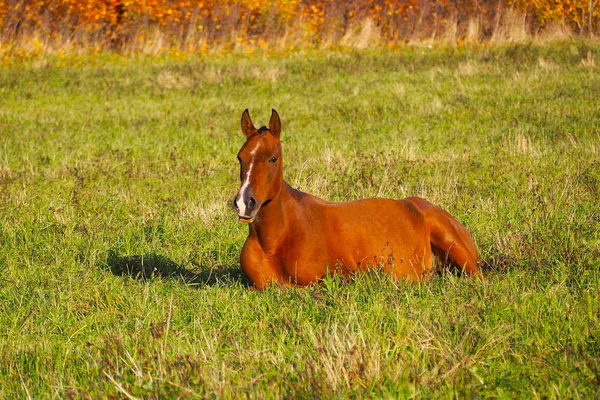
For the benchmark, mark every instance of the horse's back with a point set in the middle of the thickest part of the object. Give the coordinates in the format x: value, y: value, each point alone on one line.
x: 394, y: 234
x: 370, y: 232
x: 378, y: 212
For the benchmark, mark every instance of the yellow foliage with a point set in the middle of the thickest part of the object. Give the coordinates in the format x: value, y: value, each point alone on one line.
x: 194, y: 24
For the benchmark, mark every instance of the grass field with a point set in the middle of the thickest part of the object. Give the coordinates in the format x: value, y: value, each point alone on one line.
x: 119, y: 271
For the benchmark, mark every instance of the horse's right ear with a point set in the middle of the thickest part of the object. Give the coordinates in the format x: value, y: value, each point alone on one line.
x: 247, y: 125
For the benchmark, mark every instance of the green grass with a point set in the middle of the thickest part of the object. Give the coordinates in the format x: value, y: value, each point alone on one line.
x: 119, y: 271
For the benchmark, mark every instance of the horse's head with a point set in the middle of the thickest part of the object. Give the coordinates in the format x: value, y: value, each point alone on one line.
x: 261, y: 167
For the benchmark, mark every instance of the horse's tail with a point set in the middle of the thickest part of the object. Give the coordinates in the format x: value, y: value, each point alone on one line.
x: 450, y: 241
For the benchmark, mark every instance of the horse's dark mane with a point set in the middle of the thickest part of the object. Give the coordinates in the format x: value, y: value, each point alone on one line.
x: 262, y: 130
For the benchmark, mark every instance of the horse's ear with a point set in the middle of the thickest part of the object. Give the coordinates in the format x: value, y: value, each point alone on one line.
x: 275, y: 124
x: 247, y: 125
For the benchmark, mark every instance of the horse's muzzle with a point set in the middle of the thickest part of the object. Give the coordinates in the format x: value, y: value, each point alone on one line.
x: 246, y: 208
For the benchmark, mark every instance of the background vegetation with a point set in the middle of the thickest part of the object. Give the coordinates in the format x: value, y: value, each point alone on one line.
x: 119, y: 272
x: 28, y: 28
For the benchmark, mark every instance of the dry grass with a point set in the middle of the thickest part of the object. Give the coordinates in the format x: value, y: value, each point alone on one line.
x: 589, y: 61
x: 511, y: 27
x: 362, y: 36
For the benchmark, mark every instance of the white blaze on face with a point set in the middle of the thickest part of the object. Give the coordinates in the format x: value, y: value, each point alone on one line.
x: 246, y: 184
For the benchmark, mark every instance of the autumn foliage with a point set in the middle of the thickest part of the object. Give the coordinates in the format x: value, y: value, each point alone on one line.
x: 193, y: 25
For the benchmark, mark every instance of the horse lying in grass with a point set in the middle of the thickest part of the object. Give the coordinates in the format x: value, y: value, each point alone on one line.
x: 296, y: 238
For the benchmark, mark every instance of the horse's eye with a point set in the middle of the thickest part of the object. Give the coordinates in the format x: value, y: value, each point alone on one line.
x: 273, y: 160
x: 239, y: 159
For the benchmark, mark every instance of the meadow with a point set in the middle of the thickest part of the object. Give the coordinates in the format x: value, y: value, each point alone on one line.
x: 119, y: 270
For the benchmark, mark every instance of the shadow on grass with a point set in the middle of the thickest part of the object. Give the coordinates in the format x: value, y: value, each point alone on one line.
x: 153, y: 266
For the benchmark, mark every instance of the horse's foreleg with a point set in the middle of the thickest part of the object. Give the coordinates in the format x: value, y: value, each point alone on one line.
x: 257, y: 268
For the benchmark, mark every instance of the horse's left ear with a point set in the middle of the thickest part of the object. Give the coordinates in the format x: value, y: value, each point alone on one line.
x: 275, y: 124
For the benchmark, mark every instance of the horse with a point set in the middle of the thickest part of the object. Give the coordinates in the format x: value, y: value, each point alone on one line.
x: 296, y: 238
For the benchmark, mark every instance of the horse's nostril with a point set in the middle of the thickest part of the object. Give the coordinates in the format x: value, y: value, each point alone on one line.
x: 251, y: 202
x: 235, y: 206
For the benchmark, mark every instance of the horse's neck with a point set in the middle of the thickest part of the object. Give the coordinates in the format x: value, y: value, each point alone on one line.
x: 274, y: 220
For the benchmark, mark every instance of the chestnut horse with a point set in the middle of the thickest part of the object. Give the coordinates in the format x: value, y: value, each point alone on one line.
x: 296, y: 238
